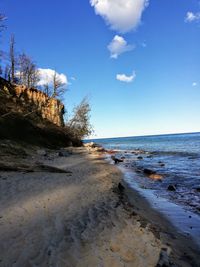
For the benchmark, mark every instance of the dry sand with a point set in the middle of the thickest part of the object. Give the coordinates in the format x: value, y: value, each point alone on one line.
x: 72, y: 219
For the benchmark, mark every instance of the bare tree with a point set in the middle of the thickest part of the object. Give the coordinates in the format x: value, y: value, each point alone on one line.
x: 12, y: 58
x: 7, y: 73
x: 47, y: 89
x: 2, y: 19
x: 2, y: 26
x: 58, y: 86
x: 28, y: 73
x: 80, y: 123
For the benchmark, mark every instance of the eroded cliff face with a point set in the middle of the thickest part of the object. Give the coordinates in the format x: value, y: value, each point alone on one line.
x: 50, y: 108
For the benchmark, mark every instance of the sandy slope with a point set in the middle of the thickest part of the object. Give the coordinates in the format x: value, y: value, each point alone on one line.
x: 63, y: 219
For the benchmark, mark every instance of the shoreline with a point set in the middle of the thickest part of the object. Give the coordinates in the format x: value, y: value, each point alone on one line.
x: 68, y: 208
x: 184, y: 245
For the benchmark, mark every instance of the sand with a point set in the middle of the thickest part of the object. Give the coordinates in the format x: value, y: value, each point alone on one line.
x: 77, y: 218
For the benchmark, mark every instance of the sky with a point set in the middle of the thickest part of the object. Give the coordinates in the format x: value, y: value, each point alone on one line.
x: 137, y: 61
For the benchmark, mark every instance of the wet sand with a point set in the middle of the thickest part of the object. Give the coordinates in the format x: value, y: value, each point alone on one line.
x: 78, y: 217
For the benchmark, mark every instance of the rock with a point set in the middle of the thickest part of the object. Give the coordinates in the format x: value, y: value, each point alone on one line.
x: 148, y: 171
x: 111, y: 151
x: 161, y: 163
x: 140, y: 157
x: 198, y: 189
x: 121, y: 187
x: 99, y: 149
x: 116, y: 160
x: 91, y: 144
x: 171, y: 187
x: 156, y: 176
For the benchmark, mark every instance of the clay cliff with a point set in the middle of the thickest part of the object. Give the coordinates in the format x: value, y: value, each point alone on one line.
x: 37, y: 101
x: 30, y: 116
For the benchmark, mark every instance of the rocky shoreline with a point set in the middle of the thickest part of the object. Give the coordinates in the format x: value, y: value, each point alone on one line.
x: 183, y: 242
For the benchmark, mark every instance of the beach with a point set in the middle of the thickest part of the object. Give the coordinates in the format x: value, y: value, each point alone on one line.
x: 70, y: 208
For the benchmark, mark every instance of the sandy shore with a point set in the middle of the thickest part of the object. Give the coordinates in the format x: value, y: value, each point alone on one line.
x: 74, y: 215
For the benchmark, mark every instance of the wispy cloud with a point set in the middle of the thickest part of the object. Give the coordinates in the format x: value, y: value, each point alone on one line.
x: 126, y: 78
x: 46, y: 76
x: 194, y: 84
x: 192, y: 17
x: 121, y: 15
x: 118, y: 46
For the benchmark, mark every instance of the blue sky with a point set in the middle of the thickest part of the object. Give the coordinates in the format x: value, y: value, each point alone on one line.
x: 158, y: 85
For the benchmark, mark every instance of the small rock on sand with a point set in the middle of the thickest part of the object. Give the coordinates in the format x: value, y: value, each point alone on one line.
x: 171, y: 187
x: 148, y: 171
x: 156, y: 176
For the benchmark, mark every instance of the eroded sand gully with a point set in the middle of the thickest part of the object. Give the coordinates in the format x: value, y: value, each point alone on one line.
x: 61, y: 220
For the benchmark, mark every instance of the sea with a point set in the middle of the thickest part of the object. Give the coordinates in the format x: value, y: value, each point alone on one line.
x: 176, y: 158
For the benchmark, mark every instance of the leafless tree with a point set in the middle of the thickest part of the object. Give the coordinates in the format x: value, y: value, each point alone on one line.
x: 80, y: 123
x: 2, y: 26
x: 2, y: 19
x: 7, y: 73
x: 47, y: 89
x: 28, y: 73
x: 58, y: 86
x: 12, y: 58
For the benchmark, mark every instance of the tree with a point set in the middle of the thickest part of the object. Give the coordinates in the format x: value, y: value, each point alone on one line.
x: 28, y: 72
x: 2, y: 26
x: 80, y: 123
x: 58, y: 86
x: 2, y: 19
x: 12, y: 59
x: 7, y: 73
x: 47, y: 89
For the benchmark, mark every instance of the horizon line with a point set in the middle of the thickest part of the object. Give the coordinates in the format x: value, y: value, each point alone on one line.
x: 148, y: 135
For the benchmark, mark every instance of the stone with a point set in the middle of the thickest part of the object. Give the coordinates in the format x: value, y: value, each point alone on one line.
x: 171, y: 187
x: 140, y: 157
x: 116, y: 160
x: 148, y: 171
x: 156, y: 176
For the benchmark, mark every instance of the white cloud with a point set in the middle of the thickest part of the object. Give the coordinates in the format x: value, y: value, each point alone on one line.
x: 118, y: 46
x: 46, y: 76
x: 120, y: 15
x: 190, y: 17
x: 125, y: 78
x: 194, y: 84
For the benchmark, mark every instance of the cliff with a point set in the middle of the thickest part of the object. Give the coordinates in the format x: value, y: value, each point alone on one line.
x: 37, y: 101
x: 30, y: 116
